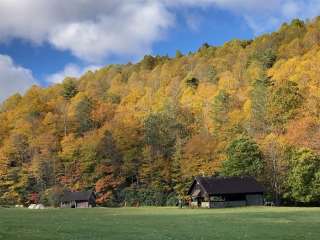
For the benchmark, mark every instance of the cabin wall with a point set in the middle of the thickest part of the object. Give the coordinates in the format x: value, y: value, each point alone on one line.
x: 82, y: 205
x: 254, y: 199
x: 232, y: 201
x: 205, y: 204
x: 71, y: 204
x: 75, y: 204
x: 235, y: 204
x: 221, y: 204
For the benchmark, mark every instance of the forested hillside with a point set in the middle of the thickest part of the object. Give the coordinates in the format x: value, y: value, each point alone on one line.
x: 139, y: 133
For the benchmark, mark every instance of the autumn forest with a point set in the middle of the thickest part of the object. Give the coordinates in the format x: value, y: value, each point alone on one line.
x: 139, y: 133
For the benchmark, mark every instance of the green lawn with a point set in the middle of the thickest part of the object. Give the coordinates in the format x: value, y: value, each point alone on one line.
x: 161, y: 223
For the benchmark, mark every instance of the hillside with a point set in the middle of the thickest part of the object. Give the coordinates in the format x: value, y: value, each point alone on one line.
x: 139, y: 133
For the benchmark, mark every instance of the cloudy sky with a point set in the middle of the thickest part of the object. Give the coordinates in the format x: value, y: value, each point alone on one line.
x: 42, y: 41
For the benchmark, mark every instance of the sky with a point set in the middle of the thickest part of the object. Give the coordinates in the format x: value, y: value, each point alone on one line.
x: 43, y: 41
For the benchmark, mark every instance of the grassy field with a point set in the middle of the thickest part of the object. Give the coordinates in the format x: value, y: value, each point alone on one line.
x: 161, y: 223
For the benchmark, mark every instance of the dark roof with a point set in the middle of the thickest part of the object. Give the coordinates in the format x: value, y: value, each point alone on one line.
x: 228, y: 185
x: 77, y: 196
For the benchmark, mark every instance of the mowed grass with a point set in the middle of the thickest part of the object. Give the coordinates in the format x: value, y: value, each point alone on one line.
x: 268, y: 223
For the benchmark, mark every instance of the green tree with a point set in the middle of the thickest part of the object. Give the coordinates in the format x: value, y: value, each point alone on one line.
x: 220, y: 109
x: 259, y: 107
x: 83, y: 115
x: 303, y: 179
x: 268, y: 58
x: 178, y: 54
x: 244, y: 158
x: 69, y: 88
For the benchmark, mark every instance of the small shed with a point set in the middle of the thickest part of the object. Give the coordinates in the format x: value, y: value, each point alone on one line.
x: 219, y: 192
x: 85, y: 199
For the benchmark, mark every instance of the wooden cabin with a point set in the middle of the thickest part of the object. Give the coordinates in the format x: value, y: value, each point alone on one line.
x: 78, y: 199
x: 219, y: 192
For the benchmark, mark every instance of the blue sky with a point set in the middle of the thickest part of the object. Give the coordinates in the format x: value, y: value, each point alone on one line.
x: 42, y: 41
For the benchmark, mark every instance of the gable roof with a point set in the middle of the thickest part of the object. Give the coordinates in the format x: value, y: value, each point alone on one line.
x: 77, y: 196
x: 227, y: 185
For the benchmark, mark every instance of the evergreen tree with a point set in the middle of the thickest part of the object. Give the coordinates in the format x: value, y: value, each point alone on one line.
x: 69, y: 88
x: 220, y: 109
x: 178, y: 54
x: 259, y: 100
x: 83, y: 115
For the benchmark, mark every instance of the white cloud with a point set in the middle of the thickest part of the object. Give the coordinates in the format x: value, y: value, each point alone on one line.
x: 96, y: 30
x: 13, y: 78
x: 70, y: 70
x: 131, y: 29
x: 90, y: 30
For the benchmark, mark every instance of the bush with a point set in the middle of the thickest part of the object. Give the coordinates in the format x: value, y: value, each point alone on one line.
x: 147, y: 197
x: 52, y: 196
x: 172, y: 199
